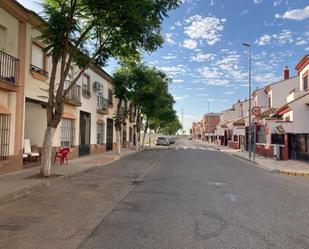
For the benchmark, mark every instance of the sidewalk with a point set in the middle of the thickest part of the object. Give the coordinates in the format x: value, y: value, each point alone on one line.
x: 23, y: 182
x: 289, y: 167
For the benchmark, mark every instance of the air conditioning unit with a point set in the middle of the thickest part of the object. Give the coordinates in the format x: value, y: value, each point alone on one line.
x: 97, y: 86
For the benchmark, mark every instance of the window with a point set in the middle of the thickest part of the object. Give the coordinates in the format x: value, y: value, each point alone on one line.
x: 38, y: 58
x: 100, y: 133
x: 67, y: 133
x: 305, y: 83
x: 110, y: 96
x: 4, y: 135
x: 2, y: 38
x: 269, y: 100
x: 261, y: 135
x: 86, y: 85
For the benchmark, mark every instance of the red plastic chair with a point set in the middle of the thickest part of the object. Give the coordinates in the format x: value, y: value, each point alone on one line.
x: 62, y: 155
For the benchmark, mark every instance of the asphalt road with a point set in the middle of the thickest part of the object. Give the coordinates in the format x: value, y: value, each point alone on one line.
x: 200, y: 198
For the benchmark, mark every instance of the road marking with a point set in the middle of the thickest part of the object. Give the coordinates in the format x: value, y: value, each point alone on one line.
x: 217, y: 183
x: 191, y: 148
x: 232, y: 197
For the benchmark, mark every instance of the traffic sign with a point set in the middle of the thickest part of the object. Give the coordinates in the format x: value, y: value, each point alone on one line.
x: 256, y: 111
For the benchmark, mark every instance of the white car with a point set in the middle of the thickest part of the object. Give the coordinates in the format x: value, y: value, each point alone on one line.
x: 163, y: 141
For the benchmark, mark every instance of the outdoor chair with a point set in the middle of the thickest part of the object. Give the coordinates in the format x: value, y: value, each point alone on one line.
x: 28, y: 151
x: 62, y: 155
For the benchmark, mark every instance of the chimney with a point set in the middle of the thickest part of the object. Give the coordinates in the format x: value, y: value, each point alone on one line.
x: 286, y: 73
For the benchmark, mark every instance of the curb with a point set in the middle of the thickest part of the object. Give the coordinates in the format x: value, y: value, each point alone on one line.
x: 292, y: 173
x: 277, y: 171
x: 35, y: 187
x: 245, y: 159
x: 23, y: 192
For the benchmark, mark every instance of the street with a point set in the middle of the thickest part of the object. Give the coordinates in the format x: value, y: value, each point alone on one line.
x: 192, y: 197
x: 205, y: 199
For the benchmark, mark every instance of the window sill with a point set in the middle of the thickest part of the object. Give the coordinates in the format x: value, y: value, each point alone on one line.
x: 39, y: 76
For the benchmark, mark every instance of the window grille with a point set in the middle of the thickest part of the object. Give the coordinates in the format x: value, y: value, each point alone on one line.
x: 100, y: 133
x: 5, y: 123
x: 67, y: 132
x: 86, y: 85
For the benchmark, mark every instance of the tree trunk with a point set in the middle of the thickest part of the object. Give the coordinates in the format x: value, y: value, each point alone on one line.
x: 144, y: 135
x: 137, y: 129
x: 136, y: 139
x: 47, y: 151
x: 118, y: 140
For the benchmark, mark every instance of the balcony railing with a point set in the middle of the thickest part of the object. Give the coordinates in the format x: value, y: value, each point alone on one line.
x: 74, y: 95
x: 9, y: 68
x: 102, y: 105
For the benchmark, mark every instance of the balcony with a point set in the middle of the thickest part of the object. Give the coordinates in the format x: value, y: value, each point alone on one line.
x: 102, y: 105
x: 9, y: 66
x: 74, y: 96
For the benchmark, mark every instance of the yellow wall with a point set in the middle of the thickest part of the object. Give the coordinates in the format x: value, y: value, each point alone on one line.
x: 11, y: 24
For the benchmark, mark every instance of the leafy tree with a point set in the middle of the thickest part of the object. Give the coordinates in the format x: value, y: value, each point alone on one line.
x: 82, y: 32
x: 147, y: 88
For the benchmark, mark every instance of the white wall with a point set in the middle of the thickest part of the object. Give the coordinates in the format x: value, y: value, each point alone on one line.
x: 306, y: 69
x: 281, y: 90
x: 261, y: 98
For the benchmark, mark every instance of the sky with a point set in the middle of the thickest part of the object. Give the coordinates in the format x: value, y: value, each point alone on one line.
x: 204, y: 56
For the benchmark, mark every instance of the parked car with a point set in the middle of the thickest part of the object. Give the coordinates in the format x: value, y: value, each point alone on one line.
x: 171, y: 139
x: 163, y: 141
x: 189, y: 138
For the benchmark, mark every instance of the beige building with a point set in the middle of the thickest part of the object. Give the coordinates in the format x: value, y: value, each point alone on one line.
x: 87, y: 124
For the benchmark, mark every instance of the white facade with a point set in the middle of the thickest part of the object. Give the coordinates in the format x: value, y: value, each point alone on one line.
x: 279, y: 91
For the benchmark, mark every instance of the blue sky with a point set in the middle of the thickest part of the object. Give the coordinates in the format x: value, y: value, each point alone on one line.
x: 204, y: 56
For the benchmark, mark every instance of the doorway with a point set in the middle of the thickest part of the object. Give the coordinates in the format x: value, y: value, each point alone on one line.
x: 109, y: 134
x: 84, y: 133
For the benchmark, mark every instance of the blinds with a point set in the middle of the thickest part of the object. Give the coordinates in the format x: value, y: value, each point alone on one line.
x: 2, y: 38
x: 37, y: 56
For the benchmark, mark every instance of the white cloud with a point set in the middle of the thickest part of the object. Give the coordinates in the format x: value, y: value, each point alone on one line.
x: 169, y: 38
x: 257, y: 1
x: 229, y: 92
x: 213, y: 76
x: 296, y: 14
x: 174, y: 70
x: 200, y: 57
x: 169, y: 56
x: 266, y: 78
x: 244, y: 12
x: 179, y: 98
x: 301, y: 42
x: 178, y: 23
x: 189, y: 43
x: 264, y: 40
x: 178, y: 81
x: 285, y: 36
x: 205, y: 28
x: 277, y: 3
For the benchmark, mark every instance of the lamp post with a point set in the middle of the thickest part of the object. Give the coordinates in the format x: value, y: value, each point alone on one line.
x: 208, y: 123
x: 249, y: 112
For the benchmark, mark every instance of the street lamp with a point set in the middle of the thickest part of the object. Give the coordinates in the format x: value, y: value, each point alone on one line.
x: 208, y: 123
x: 249, y: 112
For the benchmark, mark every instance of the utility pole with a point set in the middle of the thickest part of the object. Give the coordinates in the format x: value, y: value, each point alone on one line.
x: 208, y: 123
